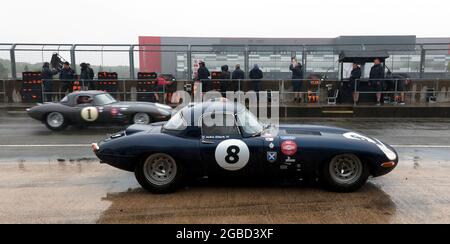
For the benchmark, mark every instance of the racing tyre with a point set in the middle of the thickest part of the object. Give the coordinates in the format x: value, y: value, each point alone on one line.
x: 159, y: 173
x: 56, y: 121
x: 142, y: 119
x: 344, y: 173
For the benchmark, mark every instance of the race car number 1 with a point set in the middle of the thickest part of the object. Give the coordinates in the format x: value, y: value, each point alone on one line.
x: 89, y: 114
x: 232, y: 155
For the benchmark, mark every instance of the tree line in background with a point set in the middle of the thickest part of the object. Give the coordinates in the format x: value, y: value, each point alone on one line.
x: 5, y: 68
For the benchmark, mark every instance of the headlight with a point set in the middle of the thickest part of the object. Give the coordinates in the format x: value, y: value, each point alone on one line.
x: 159, y: 105
x: 388, y: 152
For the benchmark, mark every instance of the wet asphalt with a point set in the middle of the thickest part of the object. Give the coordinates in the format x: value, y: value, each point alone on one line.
x: 49, y: 177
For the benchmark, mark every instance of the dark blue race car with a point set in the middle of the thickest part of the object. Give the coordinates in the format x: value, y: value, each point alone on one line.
x: 164, y: 155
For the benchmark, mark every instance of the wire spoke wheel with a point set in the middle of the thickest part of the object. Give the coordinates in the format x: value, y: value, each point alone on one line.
x: 160, y: 169
x: 345, y: 169
x: 55, y: 119
x: 141, y: 119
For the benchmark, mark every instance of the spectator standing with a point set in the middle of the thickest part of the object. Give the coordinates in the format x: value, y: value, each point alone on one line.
x: 256, y: 76
x: 47, y: 77
x: 67, y: 76
x: 203, y: 77
x: 85, y: 76
x: 163, y: 87
x: 376, y: 79
x: 91, y: 71
x: 297, y: 76
x: 353, y: 81
x: 225, y: 77
x: 237, y: 76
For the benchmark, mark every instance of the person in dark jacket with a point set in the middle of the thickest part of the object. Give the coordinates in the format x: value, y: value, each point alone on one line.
x: 353, y: 81
x: 203, y: 77
x: 225, y: 77
x: 91, y: 71
x: 66, y: 75
x: 86, y: 76
x: 256, y: 75
x: 297, y: 76
x: 47, y: 77
x: 376, y: 79
x: 238, y: 74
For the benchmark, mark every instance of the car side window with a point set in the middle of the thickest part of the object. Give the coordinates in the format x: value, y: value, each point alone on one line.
x: 84, y: 100
x: 219, y: 125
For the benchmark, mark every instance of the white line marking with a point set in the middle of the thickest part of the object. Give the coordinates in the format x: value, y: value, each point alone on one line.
x: 49, y: 145
x: 421, y: 146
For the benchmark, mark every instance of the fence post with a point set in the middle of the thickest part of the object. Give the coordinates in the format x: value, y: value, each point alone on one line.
x: 304, y: 62
x: 12, y: 54
x: 246, y: 61
x: 132, y: 62
x: 72, y: 58
x: 422, y: 61
x: 189, y: 64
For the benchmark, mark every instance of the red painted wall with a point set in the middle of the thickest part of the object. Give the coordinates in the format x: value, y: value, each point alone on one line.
x: 150, y: 61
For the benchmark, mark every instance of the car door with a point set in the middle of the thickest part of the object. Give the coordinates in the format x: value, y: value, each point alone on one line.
x: 86, y: 110
x: 225, y: 151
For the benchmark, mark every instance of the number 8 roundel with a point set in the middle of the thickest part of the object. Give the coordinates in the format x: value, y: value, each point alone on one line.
x: 232, y: 155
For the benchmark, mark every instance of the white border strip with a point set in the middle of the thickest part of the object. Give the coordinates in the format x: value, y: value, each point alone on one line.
x: 88, y: 145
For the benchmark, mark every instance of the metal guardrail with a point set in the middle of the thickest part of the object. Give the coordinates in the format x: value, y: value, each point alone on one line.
x: 419, y: 49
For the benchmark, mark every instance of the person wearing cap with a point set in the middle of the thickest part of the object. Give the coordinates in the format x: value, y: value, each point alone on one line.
x: 47, y: 77
x: 225, y: 77
x: 377, y: 78
x: 353, y: 81
x: 66, y: 75
x: 256, y: 76
x: 237, y: 75
x: 203, y: 77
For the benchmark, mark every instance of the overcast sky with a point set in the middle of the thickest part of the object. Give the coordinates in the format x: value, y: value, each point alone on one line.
x: 103, y: 21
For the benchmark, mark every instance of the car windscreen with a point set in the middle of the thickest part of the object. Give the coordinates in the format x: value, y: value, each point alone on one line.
x: 177, y: 122
x: 249, y: 123
x: 104, y: 99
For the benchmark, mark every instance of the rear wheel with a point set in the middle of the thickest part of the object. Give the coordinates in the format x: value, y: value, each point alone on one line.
x: 142, y: 119
x: 344, y: 173
x: 56, y: 121
x: 159, y: 173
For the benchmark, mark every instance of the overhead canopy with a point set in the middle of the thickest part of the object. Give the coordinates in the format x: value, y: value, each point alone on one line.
x: 362, y: 57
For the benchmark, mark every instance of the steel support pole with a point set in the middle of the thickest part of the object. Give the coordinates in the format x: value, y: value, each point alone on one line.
x: 304, y: 62
x: 72, y: 58
x: 131, y: 57
x: 246, y: 62
x: 189, y: 63
x: 423, y: 54
x: 12, y: 55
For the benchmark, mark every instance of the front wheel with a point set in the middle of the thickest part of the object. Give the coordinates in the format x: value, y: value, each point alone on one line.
x: 159, y: 173
x: 344, y: 173
x: 142, y: 119
x: 56, y: 121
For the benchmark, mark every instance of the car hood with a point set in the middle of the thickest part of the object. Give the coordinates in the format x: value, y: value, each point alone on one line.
x: 310, y: 130
x: 151, y: 128
x: 128, y: 104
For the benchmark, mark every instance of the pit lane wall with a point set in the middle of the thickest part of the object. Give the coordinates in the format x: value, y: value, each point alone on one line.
x: 318, y: 98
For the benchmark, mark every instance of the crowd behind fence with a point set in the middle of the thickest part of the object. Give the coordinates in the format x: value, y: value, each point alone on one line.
x: 313, y: 91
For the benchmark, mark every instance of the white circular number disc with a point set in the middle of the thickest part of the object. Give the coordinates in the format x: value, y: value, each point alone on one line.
x: 232, y: 155
x: 89, y: 114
